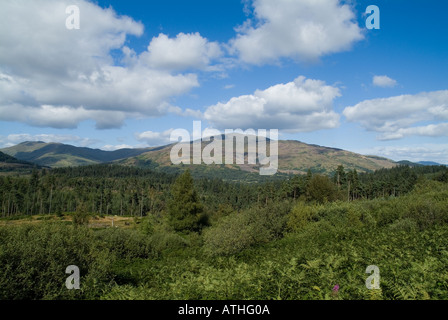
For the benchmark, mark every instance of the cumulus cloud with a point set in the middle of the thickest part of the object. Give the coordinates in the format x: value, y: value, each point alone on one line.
x: 299, y: 106
x: 384, y: 82
x: 54, y: 77
x: 399, y: 116
x: 186, y: 51
x: 302, y: 30
x: 430, y: 130
x: 13, y: 139
x: 60, y: 117
x: 152, y: 138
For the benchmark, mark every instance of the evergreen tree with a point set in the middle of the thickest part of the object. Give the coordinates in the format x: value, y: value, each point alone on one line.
x: 184, y: 208
x: 339, y: 176
x: 81, y: 216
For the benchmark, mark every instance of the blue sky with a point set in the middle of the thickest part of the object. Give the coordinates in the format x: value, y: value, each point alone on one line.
x: 135, y: 70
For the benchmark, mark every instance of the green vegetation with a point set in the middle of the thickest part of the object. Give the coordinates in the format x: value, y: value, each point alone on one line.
x: 12, y: 165
x: 184, y: 208
x: 207, y: 239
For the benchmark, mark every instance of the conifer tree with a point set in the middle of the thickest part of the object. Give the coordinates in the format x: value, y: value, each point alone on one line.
x: 184, y: 207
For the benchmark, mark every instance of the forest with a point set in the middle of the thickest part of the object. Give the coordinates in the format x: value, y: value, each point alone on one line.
x: 301, y: 237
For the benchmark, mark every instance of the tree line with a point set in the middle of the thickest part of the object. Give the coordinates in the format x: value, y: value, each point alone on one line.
x: 129, y: 191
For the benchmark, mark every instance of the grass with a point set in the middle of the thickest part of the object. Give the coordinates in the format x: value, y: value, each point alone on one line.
x: 95, y: 222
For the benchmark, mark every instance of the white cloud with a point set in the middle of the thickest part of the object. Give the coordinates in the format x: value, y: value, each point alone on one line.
x: 60, y: 117
x: 54, y: 77
x: 431, y: 130
x: 186, y: 51
x: 384, y: 82
x: 300, y: 29
x: 429, y: 152
x: 299, y: 106
x: 396, y: 117
x: 14, y: 139
x: 152, y: 138
x: 109, y: 147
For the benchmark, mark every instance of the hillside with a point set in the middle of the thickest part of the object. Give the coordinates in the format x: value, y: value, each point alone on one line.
x: 62, y: 155
x: 294, y: 157
x: 9, y: 164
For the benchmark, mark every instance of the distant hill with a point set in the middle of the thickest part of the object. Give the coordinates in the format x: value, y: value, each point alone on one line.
x: 294, y: 157
x: 8, y: 164
x: 63, y: 155
x: 409, y: 163
x: 419, y: 164
x: 429, y: 163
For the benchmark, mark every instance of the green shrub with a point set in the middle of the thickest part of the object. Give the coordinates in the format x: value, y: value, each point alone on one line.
x: 147, y: 225
x: 163, y: 241
x: 427, y: 212
x: 241, y: 230
x: 33, y: 260
x: 301, y: 215
x: 124, y: 243
x: 406, y: 225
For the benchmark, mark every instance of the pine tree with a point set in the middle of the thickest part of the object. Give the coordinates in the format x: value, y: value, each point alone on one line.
x: 340, y: 176
x: 184, y: 208
x: 81, y: 216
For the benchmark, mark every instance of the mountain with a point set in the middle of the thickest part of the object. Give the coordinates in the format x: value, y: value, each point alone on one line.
x: 8, y: 164
x: 409, y: 163
x: 419, y: 164
x: 63, y: 155
x: 429, y: 163
x: 294, y: 157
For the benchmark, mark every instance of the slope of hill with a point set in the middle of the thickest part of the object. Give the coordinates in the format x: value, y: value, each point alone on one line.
x: 8, y: 164
x: 63, y: 155
x: 294, y: 157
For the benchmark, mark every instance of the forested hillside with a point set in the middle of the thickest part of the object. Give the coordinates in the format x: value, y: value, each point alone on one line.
x: 10, y: 164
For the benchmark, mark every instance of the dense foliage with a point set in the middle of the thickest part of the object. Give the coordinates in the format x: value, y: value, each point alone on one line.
x: 291, y: 239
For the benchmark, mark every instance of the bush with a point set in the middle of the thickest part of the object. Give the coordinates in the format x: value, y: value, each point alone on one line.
x: 341, y: 213
x: 427, y: 212
x: 125, y: 244
x: 301, y: 215
x: 163, y: 241
x: 405, y: 225
x: 33, y: 260
x: 241, y: 230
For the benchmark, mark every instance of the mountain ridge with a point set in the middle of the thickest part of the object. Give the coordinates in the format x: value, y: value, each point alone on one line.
x: 55, y: 154
x: 295, y: 157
